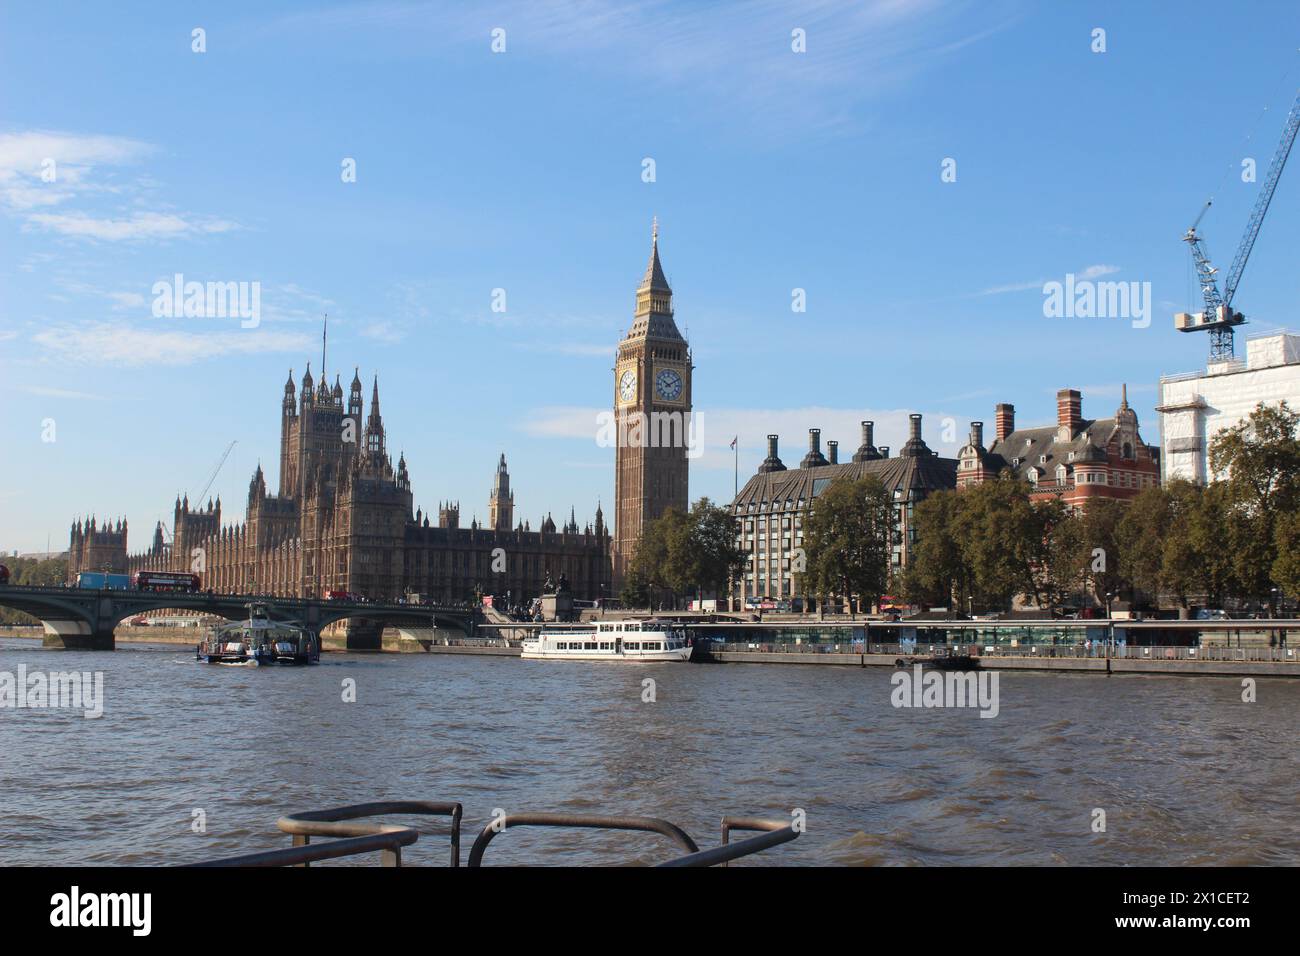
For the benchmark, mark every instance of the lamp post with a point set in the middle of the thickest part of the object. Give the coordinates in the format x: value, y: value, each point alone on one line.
x: 1110, y: 623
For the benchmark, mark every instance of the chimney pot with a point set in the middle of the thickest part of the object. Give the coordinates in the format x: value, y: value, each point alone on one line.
x: 914, y: 426
x: 771, y: 445
x: 833, y: 448
x: 977, y: 434
x: 884, y: 451
x: 868, y: 428
x: 814, y: 439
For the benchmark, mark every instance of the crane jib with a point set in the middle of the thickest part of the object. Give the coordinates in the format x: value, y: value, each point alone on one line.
x: 1219, y: 317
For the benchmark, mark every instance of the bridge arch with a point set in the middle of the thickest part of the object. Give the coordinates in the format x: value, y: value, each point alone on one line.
x: 84, y: 619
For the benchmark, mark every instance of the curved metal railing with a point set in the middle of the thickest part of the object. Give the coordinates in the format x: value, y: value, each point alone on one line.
x: 773, y: 833
x: 330, y: 823
x: 351, y: 837
x: 587, y: 821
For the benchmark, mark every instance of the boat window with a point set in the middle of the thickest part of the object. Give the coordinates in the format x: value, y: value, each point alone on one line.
x: 653, y: 646
x: 590, y: 645
x: 632, y: 645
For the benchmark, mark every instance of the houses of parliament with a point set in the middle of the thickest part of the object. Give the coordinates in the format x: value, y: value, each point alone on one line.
x: 342, y: 517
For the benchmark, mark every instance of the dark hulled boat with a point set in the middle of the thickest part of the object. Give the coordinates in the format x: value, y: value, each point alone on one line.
x: 259, y: 641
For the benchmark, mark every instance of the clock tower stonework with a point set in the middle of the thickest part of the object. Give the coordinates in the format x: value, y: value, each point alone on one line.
x: 652, y: 409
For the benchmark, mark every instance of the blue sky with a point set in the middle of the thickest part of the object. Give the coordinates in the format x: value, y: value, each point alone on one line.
x: 522, y: 171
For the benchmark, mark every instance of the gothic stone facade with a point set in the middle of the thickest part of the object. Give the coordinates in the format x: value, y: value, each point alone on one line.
x: 343, y: 520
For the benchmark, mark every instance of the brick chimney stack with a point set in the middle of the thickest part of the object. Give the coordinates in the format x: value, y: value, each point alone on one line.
x: 833, y: 447
x: 1069, y: 412
x: 1005, y: 422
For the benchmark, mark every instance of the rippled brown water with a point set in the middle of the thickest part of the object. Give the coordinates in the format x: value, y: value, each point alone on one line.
x: 1186, y: 772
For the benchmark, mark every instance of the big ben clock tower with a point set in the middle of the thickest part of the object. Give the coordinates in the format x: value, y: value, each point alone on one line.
x: 652, y: 406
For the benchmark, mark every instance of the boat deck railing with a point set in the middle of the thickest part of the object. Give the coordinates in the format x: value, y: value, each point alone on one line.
x: 352, y: 838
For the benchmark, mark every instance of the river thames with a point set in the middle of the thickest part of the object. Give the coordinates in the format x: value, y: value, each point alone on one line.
x: 1186, y: 772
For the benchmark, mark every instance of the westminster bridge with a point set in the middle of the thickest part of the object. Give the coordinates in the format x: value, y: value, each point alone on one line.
x: 85, y: 618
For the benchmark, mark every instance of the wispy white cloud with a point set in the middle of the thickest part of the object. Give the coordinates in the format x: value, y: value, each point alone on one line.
x: 1013, y: 287
x: 41, y: 170
x: 48, y: 392
x: 141, y: 225
x: 736, y: 55
x: 105, y: 343
x: 381, y: 331
x: 582, y: 349
x: 1087, y: 272
x: 126, y: 300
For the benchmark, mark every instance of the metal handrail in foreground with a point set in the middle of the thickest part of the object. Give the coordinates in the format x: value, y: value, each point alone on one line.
x: 388, y: 839
x: 646, y: 824
x: 388, y: 842
x: 773, y: 833
x: 304, y: 826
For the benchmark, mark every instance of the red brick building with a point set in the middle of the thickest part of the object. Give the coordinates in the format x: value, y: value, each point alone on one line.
x: 1076, y: 459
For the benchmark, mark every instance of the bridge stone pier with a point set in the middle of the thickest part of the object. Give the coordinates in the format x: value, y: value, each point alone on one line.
x: 83, y: 619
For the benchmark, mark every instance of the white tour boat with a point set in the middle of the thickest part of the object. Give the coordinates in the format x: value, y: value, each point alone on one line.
x: 610, y: 641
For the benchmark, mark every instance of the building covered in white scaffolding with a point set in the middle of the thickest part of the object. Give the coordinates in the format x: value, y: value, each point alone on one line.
x: 1195, y: 406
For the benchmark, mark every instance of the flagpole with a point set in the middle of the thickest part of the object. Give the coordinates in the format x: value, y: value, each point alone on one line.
x: 735, y: 449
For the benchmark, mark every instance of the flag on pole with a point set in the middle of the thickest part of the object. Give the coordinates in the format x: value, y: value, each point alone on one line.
x: 733, y: 442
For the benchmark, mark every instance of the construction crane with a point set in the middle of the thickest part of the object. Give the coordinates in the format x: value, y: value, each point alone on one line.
x: 215, y: 471
x: 1219, y: 317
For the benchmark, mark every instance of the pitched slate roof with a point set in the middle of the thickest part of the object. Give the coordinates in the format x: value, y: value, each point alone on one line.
x: 1030, y: 445
x: 924, y: 473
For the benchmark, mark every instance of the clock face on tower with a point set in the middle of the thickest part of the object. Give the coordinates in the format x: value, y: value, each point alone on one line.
x: 668, y: 384
x: 627, y: 386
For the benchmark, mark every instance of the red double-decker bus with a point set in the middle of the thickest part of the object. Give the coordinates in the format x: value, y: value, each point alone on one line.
x: 165, y: 581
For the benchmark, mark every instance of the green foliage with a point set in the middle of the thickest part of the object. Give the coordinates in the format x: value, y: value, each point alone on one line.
x: 848, y: 540
x: 1286, y: 567
x: 684, y: 553
x: 940, y: 572
x: 32, y: 571
x: 1259, y: 464
x: 984, y: 545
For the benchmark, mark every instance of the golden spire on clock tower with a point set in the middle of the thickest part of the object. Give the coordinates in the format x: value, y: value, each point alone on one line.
x: 654, y: 298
